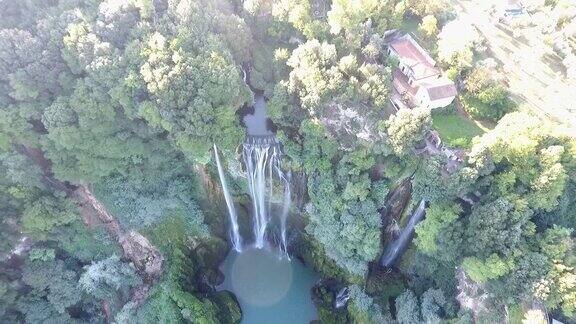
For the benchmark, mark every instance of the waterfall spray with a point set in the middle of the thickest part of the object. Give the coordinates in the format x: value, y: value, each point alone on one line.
x: 256, y: 158
x: 397, y: 247
x: 262, y: 159
x: 234, y: 229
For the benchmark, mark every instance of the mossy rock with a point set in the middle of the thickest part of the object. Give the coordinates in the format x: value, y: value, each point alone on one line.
x: 214, y: 277
x: 208, y: 252
x: 323, y: 292
x: 312, y: 253
x: 229, y: 311
x: 244, y: 214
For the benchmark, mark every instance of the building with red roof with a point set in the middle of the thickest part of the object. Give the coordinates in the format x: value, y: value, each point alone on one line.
x: 417, y: 81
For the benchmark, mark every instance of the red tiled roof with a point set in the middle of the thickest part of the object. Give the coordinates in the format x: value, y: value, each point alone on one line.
x: 400, y: 82
x: 407, y: 48
x: 442, y: 91
x: 420, y: 62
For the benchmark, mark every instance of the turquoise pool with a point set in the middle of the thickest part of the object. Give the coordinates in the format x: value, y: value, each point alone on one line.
x: 270, y: 289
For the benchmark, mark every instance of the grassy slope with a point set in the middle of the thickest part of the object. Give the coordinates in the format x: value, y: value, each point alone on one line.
x: 455, y: 129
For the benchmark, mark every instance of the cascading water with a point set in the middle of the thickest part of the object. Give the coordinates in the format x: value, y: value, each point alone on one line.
x: 256, y: 158
x: 397, y: 247
x: 262, y: 161
x: 264, y: 173
x: 234, y: 228
x: 262, y: 157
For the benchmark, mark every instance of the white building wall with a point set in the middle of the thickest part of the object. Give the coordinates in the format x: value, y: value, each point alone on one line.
x: 441, y: 102
x: 423, y: 99
x: 425, y: 81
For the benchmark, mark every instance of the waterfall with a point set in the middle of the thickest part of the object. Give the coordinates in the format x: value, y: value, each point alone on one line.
x: 256, y: 158
x: 262, y: 161
x: 234, y: 229
x: 262, y: 155
x: 342, y: 298
x: 396, y: 248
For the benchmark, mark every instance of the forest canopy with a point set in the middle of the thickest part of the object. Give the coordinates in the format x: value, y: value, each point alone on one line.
x: 110, y: 201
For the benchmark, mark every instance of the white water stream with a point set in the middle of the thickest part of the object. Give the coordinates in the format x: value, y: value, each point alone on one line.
x: 262, y: 160
x: 234, y: 228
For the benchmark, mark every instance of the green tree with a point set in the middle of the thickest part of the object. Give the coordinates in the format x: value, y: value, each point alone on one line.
x: 524, y: 156
x: 519, y: 283
x: 299, y: 15
x: 438, y: 217
x: 193, y: 96
x: 497, y: 227
x: 363, y: 309
x: 422, y: 9
x: 433, y: 300
x: 407, y: 308
x: 108, y: 278
x: 483, y: 270
x: 558, y: 289
x: 175, y: 298
x: 556, y: 242
x: 53, y: 282
x: 43, y: 216
x: 434, y: 184
x: 351, y: 18
x: 407, y: 128
x: 429, y: 26
x: 314, y: 76
x: 456, y: 43
x: 486, y: 98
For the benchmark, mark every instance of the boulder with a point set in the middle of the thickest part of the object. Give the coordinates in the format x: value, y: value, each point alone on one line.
x: 229, y: 311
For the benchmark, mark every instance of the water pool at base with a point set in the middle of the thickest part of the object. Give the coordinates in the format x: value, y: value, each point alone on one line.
x: 269, y: 289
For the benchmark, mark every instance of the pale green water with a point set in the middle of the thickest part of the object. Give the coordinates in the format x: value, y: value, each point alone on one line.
x: 270, y: 290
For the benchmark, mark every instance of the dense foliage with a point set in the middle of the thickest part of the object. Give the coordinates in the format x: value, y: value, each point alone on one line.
x: 126, y: 98
x: 122, y: 96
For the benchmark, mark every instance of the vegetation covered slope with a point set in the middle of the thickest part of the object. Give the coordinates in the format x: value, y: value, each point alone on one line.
x: 118, y: 97
x: 123, y: 100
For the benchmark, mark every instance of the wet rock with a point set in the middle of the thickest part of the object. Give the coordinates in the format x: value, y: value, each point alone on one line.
x: 215, y: 278
x: 208, y: 253
x: 380, y: 279
x: 397, y: 200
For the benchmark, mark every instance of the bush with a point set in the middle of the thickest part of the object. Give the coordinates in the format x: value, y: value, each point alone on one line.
x: 485, y: 97
x: 448, y: 110
x: 492, y: 104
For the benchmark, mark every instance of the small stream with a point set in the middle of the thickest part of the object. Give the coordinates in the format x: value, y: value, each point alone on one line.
x: 257, y: 123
